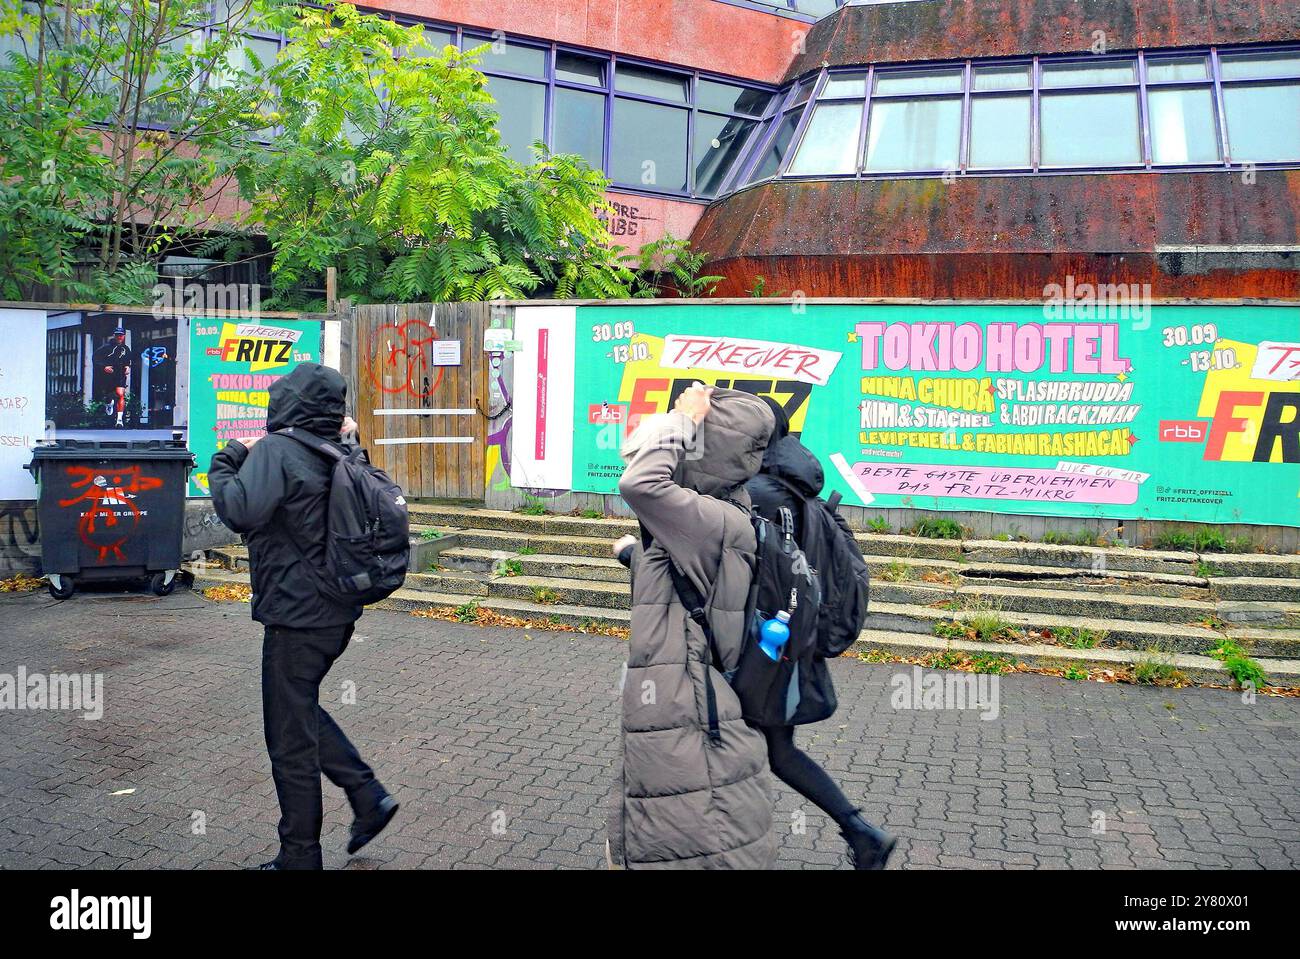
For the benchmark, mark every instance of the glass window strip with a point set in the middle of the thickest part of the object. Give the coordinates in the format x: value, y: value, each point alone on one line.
x: 1139, y: 84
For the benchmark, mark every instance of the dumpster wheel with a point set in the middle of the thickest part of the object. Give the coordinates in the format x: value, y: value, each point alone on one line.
x: 162, y: 584
x: 61, y: 587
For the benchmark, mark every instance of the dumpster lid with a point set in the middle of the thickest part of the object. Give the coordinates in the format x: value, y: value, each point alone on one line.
x: 112, y: 449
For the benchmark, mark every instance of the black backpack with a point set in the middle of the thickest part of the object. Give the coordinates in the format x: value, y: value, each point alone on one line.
x: 783, y: 580
x: 368, y: 533
x: 830, y: 547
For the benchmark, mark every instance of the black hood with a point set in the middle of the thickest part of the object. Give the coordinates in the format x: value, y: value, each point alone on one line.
x: 788, y: 459
x: 311, y: 398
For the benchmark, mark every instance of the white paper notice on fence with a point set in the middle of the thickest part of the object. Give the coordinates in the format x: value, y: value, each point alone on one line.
x: 541, y: 432
x: 22, y: 398
x: 1277, y: 361
x: 444, y: 352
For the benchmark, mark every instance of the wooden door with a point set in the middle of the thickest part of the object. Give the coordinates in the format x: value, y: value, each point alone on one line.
x: 423, y: 422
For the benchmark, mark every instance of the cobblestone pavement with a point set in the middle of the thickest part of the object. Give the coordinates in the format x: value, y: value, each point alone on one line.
x: 467, y: 725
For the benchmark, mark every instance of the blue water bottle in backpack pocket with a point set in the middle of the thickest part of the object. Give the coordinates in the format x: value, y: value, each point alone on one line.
x: 774, y: 635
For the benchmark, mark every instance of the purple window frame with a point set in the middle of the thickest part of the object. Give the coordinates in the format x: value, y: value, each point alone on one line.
x: 470, y: 38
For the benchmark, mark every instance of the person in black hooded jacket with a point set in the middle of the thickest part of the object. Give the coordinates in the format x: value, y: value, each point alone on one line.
x: 275, y: 491
x: 789, y: 475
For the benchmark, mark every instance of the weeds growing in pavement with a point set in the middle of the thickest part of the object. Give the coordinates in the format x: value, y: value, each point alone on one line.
x: 1239, y: 665
x: 1078, y: 637
x: 1155, y: 667
x: 1204, y: 540
x: 430, y: 533
x: 932, y: 528
x: 893, y: 572
x: 879, y: 525
x: 467, y: 613
x: 991, y: 663
x: 533, y: 507
x: 545, y: 596
x: 948, y: 659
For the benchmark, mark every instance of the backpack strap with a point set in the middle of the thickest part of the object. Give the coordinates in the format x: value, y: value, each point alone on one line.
x: 312, y: 441
x: 694, y: 603
x: 833, y: 501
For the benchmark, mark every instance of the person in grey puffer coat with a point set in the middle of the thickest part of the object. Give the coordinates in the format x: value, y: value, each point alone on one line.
x: 684, y: 801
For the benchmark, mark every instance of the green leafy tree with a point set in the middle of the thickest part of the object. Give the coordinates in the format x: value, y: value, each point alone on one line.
x: 121, y: 121
x: 388, y: 165
x: 669, y: 265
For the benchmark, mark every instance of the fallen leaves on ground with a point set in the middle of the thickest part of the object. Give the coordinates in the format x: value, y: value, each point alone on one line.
x: 229, y: 593
x: 21, y: 583
x: 490, y: 617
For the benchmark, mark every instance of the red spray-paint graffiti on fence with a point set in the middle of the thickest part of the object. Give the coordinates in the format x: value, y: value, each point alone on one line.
x: 400, y: 359
x: 111, y: 517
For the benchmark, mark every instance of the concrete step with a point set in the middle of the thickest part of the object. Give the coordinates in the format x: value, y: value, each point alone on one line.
x: 975, y: 597
x: 595, y: 593
x: 1261, y: 565
x: 1102, y: 559
x: 540, y: 564
x: 460, y: 517
x: 1108, y: 633
x: 1199, y: 669
x: 1252, y: 589
x: 509, y: 543
x: 907, y: 631
x: 888, y: 569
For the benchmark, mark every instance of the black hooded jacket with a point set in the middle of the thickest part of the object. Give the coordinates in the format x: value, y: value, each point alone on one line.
x: 276, y: 495
x: 788, y: 467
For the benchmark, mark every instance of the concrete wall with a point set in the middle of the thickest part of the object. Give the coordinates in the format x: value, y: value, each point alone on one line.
x: 1207, y: 235
x: 956, y: 29
x: 707, y: 35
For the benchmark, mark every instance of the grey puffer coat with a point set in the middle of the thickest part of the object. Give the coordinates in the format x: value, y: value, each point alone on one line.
x: 683, y: 801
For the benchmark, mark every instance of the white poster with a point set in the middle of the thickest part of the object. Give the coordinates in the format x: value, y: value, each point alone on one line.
x: 541, y: 435
x: 22, y: 398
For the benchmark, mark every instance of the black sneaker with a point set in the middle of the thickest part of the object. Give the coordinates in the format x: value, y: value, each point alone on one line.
x: 364, y: 830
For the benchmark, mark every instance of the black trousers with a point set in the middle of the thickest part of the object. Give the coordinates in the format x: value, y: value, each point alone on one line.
x: 303, y: 741
x: 800, y: 772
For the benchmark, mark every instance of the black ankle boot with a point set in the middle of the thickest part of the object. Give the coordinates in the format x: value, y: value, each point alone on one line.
x: 869, y: 847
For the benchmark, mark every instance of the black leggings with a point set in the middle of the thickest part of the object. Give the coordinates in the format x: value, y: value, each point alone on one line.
x: 797, y: 770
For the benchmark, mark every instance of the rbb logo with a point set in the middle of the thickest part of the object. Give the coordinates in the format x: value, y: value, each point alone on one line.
x: 1183, y: 431
x: 602, y: 414
x: 249, y: 350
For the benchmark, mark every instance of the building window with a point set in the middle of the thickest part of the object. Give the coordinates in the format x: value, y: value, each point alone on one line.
x: 1263, y: 118
x: 1001, y: 131
x: 648, y: 146
x: 910, y: 128
x: 521, y: 107
x: 1089, y: 115
x: 1001, y: 117
x: 830, y: 143
x: 578, y: 125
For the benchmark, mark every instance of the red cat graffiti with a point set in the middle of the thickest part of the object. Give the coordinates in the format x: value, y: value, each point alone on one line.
x: 111, y: 518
